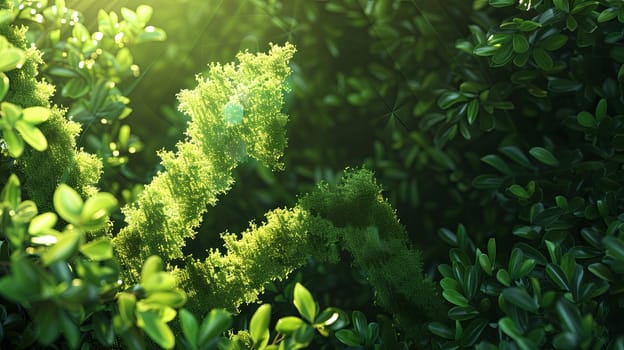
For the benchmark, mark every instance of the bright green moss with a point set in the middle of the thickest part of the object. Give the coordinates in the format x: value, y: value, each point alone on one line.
x: 353, y: 217
x: 169, y: 209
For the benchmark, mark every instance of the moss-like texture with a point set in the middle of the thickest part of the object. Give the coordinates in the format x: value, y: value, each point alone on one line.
x: 351, y: 217
x: 41, y: 172
x: 235, y: 112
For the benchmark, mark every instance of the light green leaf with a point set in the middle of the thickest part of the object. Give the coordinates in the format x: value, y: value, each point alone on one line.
x: 259, y: 326
x: 126, y: 303
x: 289, y: 324
x: 11, y: 58
x: 171, y: 298
x: 32, y: 135
x: 14, y: 143
x: 36, y: 115
x: 150, y: 34
x: 129, y: 15
x: 4, y: 85
x: 96, y: 209
x: 11, y: 193
x: 64, y: 248
x: 6, y: 16
x: 67, y: 203
x: 11, y: 113
x: 156, y: 329
x: 304, y: 302
x: 42, y: 223
x: 98, y: 250
x: 144, y: 13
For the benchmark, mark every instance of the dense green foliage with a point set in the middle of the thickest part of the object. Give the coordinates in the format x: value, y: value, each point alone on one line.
x: 500, y: 118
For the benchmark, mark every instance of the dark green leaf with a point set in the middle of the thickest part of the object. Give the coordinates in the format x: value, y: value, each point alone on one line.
x: 557, y: 276
x: 514, y: 153
x: 348, y: 337
x: 527, y: 26
x: 562, y: 5
x: 520, y: 43
x: 487, y: 182
x: 543, y: 155
x: 560, y: 86
x: 501, y: 3
x: 520, y: 298
x: 472, y: 111
x: 450, y: 98
x: 570, y: 316
x: 485, y: 50
x: 70, y: 330
x: 601, y: 270
x: 615, y: 247
x: 462, y: 313
x: 75, y: 88
x: 519, y: 191
x: 436, y: 328
x: 498, y: 163
x: 553, y: 42
x: 47, y: 322
x: 542, y: 59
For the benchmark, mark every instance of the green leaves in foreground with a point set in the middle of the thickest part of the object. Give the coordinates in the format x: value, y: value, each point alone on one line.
x: 150, y: 306
x: 20, y: 125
